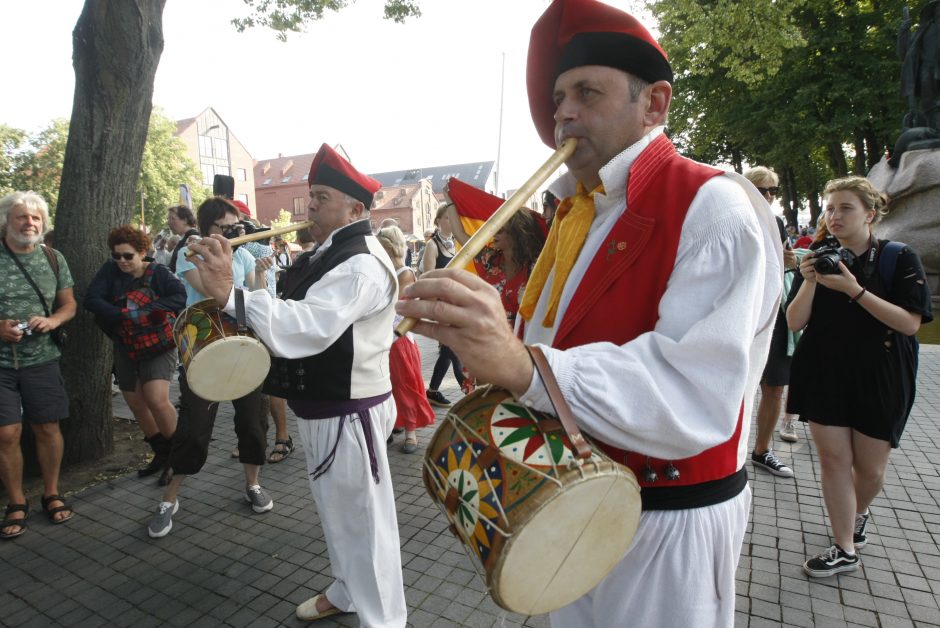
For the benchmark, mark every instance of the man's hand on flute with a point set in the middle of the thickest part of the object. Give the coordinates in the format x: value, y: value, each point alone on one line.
x: 213, y: 259
x: 465, y: 313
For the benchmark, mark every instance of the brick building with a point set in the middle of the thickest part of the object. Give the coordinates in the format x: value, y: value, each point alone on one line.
x: 216, y: 150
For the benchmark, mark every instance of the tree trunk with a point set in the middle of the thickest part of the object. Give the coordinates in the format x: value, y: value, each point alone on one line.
x: 873, y: 146
x: 837, y: 158
x: 859, y: 152
x: 116, y: 50
x: 792, y: 205
x: 815, y: 209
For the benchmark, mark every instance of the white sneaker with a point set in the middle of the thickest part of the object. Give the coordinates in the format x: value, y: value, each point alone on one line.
x: 162, y: 521
x: 788, y: 430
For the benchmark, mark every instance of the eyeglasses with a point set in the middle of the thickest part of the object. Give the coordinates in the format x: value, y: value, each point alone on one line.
x: 765, y: 191
x: 125, y: 256
x: 222, y: 226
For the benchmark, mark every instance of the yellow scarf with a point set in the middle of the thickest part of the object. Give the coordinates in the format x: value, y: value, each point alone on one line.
x: 565, y: 240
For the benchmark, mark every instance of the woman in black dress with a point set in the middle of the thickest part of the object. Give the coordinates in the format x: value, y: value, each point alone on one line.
x: 437, y: 253
x: 852, y: 376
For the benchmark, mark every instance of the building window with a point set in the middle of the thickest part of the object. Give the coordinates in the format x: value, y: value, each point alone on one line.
x: 208, y: 173
x: 220, y: 147
x: 222, y: 170
x: 205, y: 145
x: 299, y: 205
x: 266, y: 182
x: 285, y: 179
x: 241, y: 174
x: 243, y: 198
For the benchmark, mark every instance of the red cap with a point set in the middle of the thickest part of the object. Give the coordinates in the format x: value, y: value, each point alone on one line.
x: 241, y: 207
x: 573, y: 33
x: 471, y: 201
x: 329, y: 168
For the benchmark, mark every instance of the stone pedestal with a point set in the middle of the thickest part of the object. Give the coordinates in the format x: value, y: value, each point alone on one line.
x: 914, y: 210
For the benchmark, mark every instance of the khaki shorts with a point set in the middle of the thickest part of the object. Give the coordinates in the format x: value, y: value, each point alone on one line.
x: 128, y: 372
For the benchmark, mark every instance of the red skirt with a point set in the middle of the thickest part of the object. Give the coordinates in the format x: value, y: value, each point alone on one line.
x: 414, y: 411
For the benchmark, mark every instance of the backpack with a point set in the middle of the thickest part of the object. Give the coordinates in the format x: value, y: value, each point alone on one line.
x: 145, y: 332
x: 887, y: 264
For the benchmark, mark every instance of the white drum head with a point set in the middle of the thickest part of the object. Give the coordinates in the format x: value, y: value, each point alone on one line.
x: 569, y: 545
x: 228, y: 368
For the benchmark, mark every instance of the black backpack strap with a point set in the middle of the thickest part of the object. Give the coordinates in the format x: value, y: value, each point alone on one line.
x: 53, y: 261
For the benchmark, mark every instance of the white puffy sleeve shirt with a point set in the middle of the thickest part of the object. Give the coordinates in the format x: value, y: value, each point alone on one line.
x: 356, y: 289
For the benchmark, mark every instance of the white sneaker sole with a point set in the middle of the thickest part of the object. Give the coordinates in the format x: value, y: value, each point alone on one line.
x: 815, y: 573
x: 789, y: 437
x: 261, y: 509
x: 780, y: 474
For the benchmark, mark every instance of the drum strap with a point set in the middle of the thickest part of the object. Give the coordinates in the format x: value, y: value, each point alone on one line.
x: 240, y: 319
x: 562, y: 410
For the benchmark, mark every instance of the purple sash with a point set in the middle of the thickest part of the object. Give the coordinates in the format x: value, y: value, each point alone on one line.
x: 312, y: 410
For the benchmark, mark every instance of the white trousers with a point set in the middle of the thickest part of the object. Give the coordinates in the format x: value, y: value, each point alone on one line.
x: 678, y: 572
x: 358, y: 517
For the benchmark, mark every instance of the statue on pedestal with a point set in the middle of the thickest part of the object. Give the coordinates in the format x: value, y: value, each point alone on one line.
x: 920, y: 82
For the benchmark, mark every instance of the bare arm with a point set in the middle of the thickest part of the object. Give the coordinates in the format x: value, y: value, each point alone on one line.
x: 459, y: 234
x: 429, y: 261
x: 64, y: 311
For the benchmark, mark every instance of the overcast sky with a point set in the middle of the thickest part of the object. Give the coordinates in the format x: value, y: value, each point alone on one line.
x: 395, y: 96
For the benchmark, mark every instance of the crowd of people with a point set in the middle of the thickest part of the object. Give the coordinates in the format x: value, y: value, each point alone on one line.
x: 663, y: 293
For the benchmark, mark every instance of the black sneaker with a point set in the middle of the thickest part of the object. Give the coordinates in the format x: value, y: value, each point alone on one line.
x: 769, y: 461
x: 435, y: 398
x: 861, y: 527
x: 834, y: 560
x: 156, y: 464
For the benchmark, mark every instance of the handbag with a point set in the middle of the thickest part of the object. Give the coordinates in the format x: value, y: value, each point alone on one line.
x: 145, y: 331
x: 58, y: 335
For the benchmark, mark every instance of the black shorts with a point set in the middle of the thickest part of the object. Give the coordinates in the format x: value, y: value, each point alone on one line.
x: 35, y: 394
x: 129, y: 372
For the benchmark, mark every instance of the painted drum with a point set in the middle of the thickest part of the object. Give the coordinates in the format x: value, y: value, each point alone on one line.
x: 221, y: 363
x: 544, y: 525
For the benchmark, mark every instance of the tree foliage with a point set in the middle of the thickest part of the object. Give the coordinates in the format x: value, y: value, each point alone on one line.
x: 290, y: 16
x: 283, y: 219
x: 164, y: 167
x: 35, y: 163
x: 808, y: 87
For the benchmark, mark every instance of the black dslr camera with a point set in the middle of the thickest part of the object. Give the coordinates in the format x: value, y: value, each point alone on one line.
x: 244, y: 227
x: 827, y: 257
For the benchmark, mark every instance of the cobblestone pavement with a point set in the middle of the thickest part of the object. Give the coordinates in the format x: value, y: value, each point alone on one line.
x: 223, y: 565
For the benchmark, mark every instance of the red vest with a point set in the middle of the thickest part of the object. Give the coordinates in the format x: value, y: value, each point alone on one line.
x: 618, y: 297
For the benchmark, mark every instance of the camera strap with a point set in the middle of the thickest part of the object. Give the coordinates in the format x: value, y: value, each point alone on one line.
x: 32, y: 283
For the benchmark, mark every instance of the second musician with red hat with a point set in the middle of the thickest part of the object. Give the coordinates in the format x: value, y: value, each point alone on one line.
x: 330, y: 333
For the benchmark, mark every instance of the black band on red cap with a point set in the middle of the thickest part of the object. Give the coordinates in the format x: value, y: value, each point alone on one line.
x: 615, y: 50
x: 327, y: 175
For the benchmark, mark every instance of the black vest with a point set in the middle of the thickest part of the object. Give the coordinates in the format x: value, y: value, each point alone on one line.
x: 327, y: 375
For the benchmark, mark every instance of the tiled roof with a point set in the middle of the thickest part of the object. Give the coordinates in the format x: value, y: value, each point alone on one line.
x: 283, y: 170
x: 475, y: 173
x: 397, y: 196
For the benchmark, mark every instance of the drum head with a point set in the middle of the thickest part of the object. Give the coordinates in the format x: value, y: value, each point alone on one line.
x: 228, y: 368
x: 569, y: 545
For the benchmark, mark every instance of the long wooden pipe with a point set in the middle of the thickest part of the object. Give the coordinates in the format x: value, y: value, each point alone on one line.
x: 267, y: 233
x: 501, y: 216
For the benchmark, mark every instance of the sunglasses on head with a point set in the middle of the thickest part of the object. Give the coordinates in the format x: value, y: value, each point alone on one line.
x: 125, y: 256
x: 772, y: 191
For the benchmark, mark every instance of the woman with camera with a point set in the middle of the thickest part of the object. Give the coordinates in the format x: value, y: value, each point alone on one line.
x: 134, y: 300
x: 852, y: 378
x: 190, y: 448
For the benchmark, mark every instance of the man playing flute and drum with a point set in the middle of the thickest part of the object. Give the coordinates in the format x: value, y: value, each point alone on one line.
x: 653, y: 300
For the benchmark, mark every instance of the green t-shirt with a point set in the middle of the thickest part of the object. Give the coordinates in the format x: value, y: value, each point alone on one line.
x: 18, y: 301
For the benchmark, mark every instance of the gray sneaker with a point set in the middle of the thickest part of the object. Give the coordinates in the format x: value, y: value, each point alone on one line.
x: 162, y: 521
x: 260, y: 501
x: 788, y: 430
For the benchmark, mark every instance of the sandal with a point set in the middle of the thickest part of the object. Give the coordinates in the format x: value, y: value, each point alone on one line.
x: 51, y: 512
x: 282, y: 448
x: 410, y: 445
x: 21, y: 523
